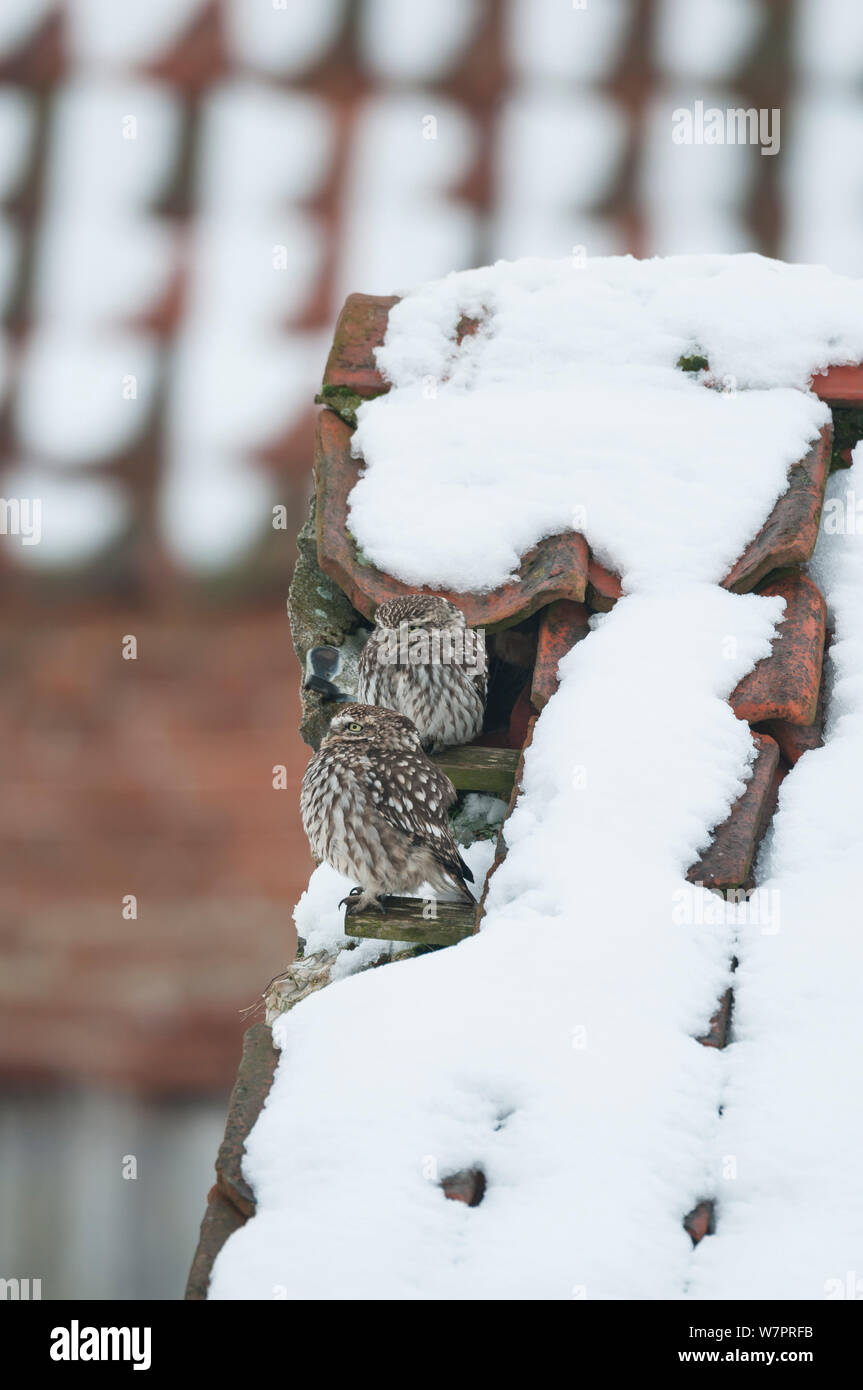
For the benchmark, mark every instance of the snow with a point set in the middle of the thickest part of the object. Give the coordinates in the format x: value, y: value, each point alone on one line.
x: 16, y: 134
x: 261, y: 147
x: 558, y: 40
x: 319, y: 919
x: 103, y: 32
x: 212, y: 507
x: 19, y: 19
x: 101, y: 270
x: 695, y: 197
x: 706, y: 39
x: 828, y: 39
x: 412, y: 41
x: 112, y: 143
x: 509, y: 398
x: 10, y: 254
x: 79, y: 517
x: 402, y: 223
x: 557, y: 151
x: 235, y: 388
x: 822, y: 181
x: 791, y: 1208
x: 282, y: 36
x: 100, y: 389
x: 557, y: 1050
x: 253, y: 268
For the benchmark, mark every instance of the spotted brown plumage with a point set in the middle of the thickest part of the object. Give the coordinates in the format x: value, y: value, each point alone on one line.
x: 424, y: 661
x: 374, y: 806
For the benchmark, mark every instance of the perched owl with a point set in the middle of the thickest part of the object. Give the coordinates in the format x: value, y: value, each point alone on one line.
x: 375, y: 808
x: 424, y: 661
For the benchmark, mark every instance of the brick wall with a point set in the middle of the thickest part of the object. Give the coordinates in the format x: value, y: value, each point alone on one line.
x: 150, y: 777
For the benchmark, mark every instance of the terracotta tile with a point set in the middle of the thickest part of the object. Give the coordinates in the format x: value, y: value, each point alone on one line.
x: 727, y: 861
x: 221, y: 1220
x: 841, y: 386
x: 794, y: 739
x: 603, y: 586
x: 467, y: 1186
x: 789, y: 534
x: 717, y: 1032
x: 700, y: 1222
x: 500, y: 846
x: 254, y: 1078
x: 360, y: 329
x: 785, y: 684
x: 561, y: 625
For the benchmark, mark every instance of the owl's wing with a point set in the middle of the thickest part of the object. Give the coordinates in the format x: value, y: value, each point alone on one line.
x: 368, y: 669
x: 479, y: 681
x: 415, y: 800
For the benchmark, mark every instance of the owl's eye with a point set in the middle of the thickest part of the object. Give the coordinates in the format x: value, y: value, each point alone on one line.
x: 354, y: 728
x: 415, y: 627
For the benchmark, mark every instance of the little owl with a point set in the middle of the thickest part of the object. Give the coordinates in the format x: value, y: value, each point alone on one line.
x: 375, y: 808
x: 424, y: 661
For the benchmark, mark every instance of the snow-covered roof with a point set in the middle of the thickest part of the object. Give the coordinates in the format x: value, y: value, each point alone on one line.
x: 558, y: 1051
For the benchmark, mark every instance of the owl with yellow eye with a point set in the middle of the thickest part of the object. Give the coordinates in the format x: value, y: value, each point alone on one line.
x: 374, y: 807
x: 422, y: 660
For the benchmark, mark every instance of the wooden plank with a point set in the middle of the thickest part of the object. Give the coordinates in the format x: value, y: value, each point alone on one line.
x: 472, y: 769
x: 404, y: 921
